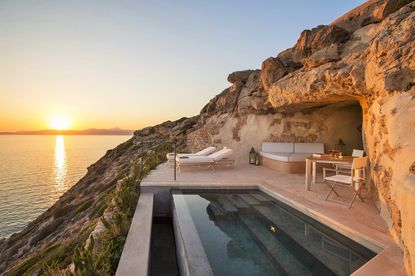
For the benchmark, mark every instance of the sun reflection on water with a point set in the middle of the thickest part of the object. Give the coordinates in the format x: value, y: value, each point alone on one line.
x: 60, y: 164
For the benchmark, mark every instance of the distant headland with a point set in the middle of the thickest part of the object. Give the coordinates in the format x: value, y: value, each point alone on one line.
x: 90, y: 131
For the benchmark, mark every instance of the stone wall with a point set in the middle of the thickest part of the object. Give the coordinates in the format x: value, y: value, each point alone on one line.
x: 241, y: 132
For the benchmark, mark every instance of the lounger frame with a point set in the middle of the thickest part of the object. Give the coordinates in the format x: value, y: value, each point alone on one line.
x: 210, y: 165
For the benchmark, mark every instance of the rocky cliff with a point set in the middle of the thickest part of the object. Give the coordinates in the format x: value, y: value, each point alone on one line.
x: 352, y: 79
x: 365, y: 59
x: 374, y: 64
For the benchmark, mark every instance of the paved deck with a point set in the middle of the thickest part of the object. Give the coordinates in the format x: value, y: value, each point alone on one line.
x: 361, y: 223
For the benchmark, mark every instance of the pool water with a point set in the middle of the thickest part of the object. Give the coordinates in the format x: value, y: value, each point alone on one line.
x: 251, y: 233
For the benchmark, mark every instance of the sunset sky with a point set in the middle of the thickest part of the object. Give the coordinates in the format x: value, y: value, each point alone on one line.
x: 130, y: 64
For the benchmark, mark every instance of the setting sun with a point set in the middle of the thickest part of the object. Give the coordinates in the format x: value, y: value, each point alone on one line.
x: 59, y: 122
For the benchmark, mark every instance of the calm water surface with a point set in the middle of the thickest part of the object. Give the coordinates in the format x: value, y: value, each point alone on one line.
x: 36, y: 170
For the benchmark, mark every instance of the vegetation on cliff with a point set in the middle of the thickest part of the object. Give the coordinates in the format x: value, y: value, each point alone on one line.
x: 98, y: 254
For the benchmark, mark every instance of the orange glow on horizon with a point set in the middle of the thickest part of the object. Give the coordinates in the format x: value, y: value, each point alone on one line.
x: 59, y: 122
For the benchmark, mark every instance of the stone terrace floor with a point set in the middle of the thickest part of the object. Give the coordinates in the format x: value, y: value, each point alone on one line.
x: 362, y: 222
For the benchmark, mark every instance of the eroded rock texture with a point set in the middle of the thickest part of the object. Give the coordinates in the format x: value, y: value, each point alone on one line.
x: 375, y: 65
x: 366, y: 56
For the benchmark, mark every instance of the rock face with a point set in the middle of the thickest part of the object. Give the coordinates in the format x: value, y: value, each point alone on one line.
x: 367, y: 57
x: 324, y: 124
x: 374, y: 65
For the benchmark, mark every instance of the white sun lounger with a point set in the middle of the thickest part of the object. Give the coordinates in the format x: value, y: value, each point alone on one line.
x: 203, y: 152
x: 218, y: 158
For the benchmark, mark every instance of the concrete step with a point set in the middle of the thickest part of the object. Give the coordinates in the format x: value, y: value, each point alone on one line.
x: 237, y: 201
x: 299, y: 233
x: 249, y: 199
x: 261, y: 197
x: 280, y: 255
x: 227, y: 205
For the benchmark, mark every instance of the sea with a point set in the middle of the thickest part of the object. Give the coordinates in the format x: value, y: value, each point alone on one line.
x: 35, y: 170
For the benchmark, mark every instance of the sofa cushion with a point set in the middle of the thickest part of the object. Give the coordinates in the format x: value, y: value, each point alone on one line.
x: 277, y: 147
x: 308, y: 147
x: 296, y: 157
x: 279, y: 156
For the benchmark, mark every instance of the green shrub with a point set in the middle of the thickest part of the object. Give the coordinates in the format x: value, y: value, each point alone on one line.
x: 99, y: 209
x: 52, y: 258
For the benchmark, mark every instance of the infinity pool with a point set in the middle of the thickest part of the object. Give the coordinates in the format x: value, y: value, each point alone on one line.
x: 251, y: 233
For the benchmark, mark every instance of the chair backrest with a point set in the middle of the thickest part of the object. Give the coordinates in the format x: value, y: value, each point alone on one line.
x: 220, y: 154
x: 206, y: 151
x: 358, y: 153
x: 359, y: 163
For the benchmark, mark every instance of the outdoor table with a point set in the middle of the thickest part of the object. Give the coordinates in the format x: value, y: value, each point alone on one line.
x: 311, y: 166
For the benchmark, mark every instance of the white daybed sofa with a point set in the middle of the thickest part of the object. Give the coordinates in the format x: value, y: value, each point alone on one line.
x: 288, y: 157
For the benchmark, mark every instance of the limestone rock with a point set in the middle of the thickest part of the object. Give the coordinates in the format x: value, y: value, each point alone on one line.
x: 272, y: 70
x: 239, y: 76
x: 322, y: 56
x: 373, y: 11
x: 375, y: 66
x: 323, y: 36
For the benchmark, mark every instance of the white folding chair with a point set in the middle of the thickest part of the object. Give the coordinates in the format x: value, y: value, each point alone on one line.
x: 355, y: 153
x: 355, y: 178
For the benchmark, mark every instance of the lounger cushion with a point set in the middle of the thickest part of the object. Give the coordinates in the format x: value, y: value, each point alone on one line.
x: 171, y: 155
x: 277, y: 147
x: 206, y: 151
x: 203, y: 152
x: 279, y: 156
x: 196, y: 160
x: 223, y: 153
x: 216, y: 156
x: 296, y: 157
x: 308, y: 147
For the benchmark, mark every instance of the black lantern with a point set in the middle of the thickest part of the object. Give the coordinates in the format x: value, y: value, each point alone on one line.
x: 252, y: 156
x: 257, y: 159
x: 340, y: 145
